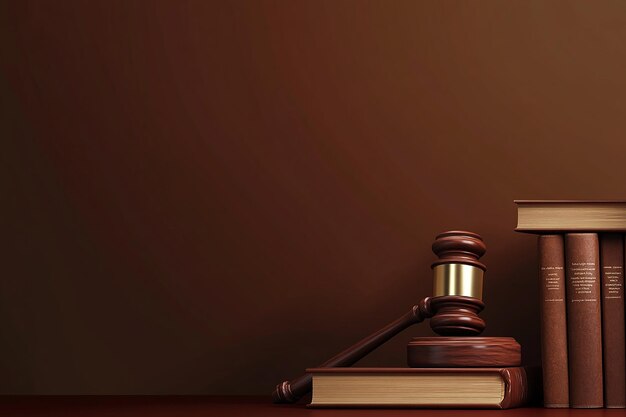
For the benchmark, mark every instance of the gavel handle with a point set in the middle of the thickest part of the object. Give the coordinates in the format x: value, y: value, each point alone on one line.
x: 292, y: 391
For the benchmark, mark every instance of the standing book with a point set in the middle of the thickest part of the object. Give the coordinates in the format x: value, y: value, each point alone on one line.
x: 553, y: 321
x: 613, y: 346
x: 584, y: 322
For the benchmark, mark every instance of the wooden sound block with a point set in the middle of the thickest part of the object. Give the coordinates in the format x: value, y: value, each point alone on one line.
x: 461, y: 352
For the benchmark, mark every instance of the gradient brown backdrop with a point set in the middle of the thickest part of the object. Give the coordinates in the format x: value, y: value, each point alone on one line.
x: 208, y: 197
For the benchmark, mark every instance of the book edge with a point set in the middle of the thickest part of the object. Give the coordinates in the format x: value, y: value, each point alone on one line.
x: 515, y: 391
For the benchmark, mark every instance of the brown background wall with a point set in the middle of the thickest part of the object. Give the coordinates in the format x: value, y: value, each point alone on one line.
x: 208, y: 197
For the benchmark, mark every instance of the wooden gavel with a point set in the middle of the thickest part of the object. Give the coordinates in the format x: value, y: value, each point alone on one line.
x: 453, y: 311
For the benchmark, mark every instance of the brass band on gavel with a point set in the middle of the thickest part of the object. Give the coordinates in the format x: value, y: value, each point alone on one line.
x: 458, y: 279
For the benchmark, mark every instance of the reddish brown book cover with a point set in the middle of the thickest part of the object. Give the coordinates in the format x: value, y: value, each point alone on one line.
x: 553, y: 321
x: 613, y: 346
x: 584, y: 322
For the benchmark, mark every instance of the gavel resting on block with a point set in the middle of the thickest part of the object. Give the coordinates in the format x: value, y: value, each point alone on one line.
x: 453, y: 312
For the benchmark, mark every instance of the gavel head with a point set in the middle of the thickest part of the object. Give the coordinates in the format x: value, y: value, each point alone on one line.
x: 457, y: 284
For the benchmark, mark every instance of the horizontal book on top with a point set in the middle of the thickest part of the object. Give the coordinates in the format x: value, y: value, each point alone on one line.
x: 541, y: 216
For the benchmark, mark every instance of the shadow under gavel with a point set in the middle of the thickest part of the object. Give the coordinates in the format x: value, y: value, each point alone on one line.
x: 453, y: 311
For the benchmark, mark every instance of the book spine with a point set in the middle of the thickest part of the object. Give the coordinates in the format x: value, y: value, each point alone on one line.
x: 516, y: 389
x: 614, y: 348
x: 584, y: 322
x: 553, y: 321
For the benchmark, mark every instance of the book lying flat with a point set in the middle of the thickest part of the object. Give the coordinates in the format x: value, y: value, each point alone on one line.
x: 538, y: 216
x: 420, y: 387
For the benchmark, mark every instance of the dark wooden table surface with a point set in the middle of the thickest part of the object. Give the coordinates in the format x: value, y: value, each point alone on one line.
x: 112, y: 406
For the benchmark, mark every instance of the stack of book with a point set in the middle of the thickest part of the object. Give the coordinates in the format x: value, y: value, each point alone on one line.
x: 581, y: 277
